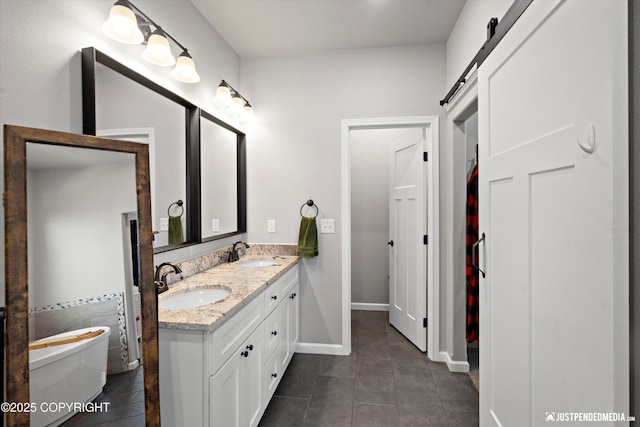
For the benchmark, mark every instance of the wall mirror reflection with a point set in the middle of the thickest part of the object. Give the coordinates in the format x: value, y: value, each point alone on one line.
x: 78, y: 256
x: 121, y: 104
x: 222, y: 179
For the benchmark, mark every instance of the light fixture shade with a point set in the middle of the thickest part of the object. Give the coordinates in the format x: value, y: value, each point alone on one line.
x: 158, y: 51
x: 122, y: 24
x: 185, y: 70
x: 247, y: 113
x: 237, y: 104
x: 223, y: 94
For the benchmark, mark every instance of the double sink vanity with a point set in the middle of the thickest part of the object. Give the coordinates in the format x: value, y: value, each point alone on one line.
x: 226, y: 335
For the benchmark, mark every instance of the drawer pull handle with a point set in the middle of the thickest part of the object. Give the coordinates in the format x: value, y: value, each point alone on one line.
x: 244, y: 354
x: 274, y: 297
x: 274, y: 375
x: 293, y: 296
x: 250, y: 347
x: 274, y: 333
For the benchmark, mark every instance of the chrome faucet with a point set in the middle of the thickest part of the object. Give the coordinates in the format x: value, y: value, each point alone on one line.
x: 161, y: 281
x: 233, y: 255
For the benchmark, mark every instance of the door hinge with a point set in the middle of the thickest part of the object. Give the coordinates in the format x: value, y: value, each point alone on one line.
x: 426, y: 156
x: 424, y: 322
x: 426, y: 239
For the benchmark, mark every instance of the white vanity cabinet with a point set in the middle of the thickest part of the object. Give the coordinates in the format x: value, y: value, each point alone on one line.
x: 225, y: 378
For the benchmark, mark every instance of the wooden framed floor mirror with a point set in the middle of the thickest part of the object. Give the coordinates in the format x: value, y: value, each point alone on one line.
x: 77, y: 235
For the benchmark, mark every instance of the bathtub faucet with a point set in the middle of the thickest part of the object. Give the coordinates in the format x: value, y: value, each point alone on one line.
x: 161, y: 281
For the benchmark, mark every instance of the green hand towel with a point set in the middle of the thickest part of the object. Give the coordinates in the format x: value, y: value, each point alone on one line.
x: 175, y: 230
x: 308, y: 238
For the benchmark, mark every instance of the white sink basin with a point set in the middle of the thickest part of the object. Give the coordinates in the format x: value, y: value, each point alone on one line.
x: 258, y: 263
x: 194, y: 298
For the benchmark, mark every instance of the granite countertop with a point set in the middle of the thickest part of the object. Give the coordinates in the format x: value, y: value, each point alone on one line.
x: 245, y: 283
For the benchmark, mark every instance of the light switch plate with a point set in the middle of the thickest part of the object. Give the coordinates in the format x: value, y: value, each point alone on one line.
x: 164, y: 224
x: 271, y: 226
x: 215, y: 225
x: 328, y: 226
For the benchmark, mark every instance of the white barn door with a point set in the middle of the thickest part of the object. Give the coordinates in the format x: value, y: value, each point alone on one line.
x: 553, y: 135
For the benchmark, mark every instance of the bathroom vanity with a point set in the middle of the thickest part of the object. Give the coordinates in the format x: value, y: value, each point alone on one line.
x: 220, y: 363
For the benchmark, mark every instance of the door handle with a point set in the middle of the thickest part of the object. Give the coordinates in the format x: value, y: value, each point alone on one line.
x: 390, y: 243
x: 473, y: 255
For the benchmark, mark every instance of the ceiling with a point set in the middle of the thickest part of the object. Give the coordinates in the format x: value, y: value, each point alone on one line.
x: 259, y: 28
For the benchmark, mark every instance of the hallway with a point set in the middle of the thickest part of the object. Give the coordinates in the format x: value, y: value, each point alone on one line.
x: 385, y: 382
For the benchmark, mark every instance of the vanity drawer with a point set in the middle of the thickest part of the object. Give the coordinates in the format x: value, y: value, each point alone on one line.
x: 226, y: 340
x: 289, y: 280
x: 272, y: 296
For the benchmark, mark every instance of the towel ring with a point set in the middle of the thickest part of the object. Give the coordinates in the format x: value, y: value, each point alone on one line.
x: 309, y: 203
x: 179, y: 203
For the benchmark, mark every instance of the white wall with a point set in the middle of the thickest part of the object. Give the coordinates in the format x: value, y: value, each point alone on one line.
x: 293, y: 152
x: 40, y: 73
x: 468, y: 35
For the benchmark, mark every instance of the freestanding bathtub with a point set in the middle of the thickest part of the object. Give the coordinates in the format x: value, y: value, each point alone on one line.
x: 70, y: 373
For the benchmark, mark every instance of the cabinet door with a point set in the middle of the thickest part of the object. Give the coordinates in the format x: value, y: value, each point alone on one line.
x: 225, y: 395
x: 251, y: 373
x: 235, y: 397
x: 293, y: 318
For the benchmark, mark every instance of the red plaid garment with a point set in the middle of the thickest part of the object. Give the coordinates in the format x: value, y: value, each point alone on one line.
x: 473, y: 277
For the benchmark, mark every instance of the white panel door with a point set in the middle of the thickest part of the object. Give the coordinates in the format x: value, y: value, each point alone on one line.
x: 554, y: 210
x: 407, y: 253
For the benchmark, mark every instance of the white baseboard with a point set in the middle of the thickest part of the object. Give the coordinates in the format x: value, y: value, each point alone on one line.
x: 454, y: 365
x: 313, y: 348
x: 369, y: 306
x: 133, y: 365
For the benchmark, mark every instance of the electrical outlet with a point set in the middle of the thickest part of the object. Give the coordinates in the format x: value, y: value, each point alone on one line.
x: 164, y: 224
x: 271, y: 226
x: 328, y: 226
x: 215, y: 225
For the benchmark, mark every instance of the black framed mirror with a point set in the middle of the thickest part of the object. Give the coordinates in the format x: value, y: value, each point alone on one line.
x: 214, y: 172
x: 222, y: 179
x: 57, y: 266
x: 121, y: 104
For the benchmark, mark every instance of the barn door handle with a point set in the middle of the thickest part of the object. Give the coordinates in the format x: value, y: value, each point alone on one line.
x: 473, y: 255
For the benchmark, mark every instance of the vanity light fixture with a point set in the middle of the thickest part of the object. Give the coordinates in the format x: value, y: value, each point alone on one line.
x: 237, y: 104
x: 127, y: 24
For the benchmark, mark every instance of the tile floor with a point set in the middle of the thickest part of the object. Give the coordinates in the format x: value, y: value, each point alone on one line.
x: 125, y: 392
x: 385, y: 382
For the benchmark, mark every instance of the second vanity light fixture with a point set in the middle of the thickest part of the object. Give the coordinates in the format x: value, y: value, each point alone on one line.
x: 237, y: 104
x: 127, y: 26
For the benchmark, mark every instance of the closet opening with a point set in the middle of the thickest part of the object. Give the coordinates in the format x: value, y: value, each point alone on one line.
x: 472, y: 274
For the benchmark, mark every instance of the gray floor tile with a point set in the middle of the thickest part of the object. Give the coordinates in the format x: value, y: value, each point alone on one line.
x: 365, y: 415
x: 296, y: 385
x: 285, y: 412
x: 463, y: 419
x: 326, y: 411
x: 338, y: 366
